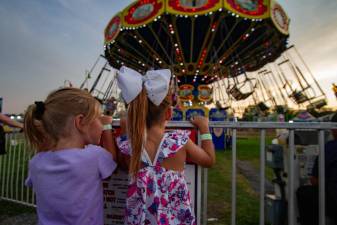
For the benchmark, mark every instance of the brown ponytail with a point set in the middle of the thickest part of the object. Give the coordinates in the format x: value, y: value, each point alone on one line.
x: 136, y: 124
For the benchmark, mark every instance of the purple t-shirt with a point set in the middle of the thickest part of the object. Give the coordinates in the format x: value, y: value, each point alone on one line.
x: 68, y: 185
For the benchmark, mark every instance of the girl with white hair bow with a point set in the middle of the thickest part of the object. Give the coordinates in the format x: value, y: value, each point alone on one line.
x: 158, y: 192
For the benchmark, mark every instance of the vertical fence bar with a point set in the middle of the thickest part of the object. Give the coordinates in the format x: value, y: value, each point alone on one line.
x: 13, y: 150
x: 31, y: 189
x: 3, y: 181
x: 291, y: 192
x: 9, y: 154
x: 17, y: 174
x: 1, y: 173
x: 27, y: 189
x: 205, y: 196
x: 262, y: 174
x: 233, y: 215
x: 23, y: 171
x: 321, y: 177
x: 199, y: 189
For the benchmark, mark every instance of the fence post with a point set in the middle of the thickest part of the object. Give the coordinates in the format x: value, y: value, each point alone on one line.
x: 291, y: 177
x: 233, y: 215
x: 321, y: 177
x: 262, y: 174
x: 205, y: 191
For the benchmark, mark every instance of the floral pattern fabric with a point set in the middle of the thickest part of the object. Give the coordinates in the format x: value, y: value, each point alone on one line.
x: 158, y: 195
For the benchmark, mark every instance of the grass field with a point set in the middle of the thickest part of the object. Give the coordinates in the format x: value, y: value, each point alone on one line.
x: 219, y: 187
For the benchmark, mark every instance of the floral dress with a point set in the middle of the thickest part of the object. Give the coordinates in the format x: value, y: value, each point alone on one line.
x: 158, y: 195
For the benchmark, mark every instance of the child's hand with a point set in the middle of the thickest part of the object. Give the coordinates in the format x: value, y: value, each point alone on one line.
x: 201, y: 122
x: 106, y: 119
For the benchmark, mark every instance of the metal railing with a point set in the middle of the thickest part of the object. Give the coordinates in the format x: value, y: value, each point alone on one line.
x: 14, y: 171
x: 13, y: 166
x: 262, y: 126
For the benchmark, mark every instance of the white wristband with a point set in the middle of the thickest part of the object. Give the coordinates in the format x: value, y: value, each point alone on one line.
x: 107, y: 127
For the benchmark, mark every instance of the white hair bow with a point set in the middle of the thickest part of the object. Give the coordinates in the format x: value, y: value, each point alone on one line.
x: 156, y: 83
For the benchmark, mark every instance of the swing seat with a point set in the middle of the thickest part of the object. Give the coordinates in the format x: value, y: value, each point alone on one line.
x: 238, y: 95
x: 262, y: 106
x: 317, y: 104
x: 299, y: 97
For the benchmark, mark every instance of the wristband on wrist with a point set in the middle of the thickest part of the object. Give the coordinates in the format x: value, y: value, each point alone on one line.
x: 107, y: 127
x: 206, y: 136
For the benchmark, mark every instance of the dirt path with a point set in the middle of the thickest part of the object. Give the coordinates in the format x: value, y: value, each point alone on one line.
x: 253, y: 176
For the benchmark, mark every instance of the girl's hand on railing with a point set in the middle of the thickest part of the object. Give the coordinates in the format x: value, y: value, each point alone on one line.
x: 201, y: 123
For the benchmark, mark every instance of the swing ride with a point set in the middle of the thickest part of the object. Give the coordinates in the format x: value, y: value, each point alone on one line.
x: 228, y: 53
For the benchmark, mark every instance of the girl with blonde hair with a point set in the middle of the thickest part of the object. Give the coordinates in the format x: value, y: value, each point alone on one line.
x: 67, y: 171
x: 157, y: 192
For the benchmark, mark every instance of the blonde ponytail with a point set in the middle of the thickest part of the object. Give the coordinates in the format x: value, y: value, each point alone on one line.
x: 136, y: 124
x: 34, y: 130
x: 47, y: 122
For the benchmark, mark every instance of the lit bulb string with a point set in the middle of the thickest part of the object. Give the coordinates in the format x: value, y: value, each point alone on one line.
x: 163, y: 28
x: 175, y: 40
x: 146, y: 62
x: 121, y: 55
x: 133, y: 28
x: 160, y: 44
x: 210, y: 13
x: 129, y: 57
x: 253, y: 28
x: 182, y: 54
x: 145, y: 59
x: 156, y: 58
x: 229, y: 33
x: 177, y: 44
x: 258, y: 48
x: 236, y: 44
x: 208, y: 40
x: 242, y: 52
x: 242, y: 15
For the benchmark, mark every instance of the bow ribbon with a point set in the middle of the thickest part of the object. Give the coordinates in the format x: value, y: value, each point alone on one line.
x: 156, y: 83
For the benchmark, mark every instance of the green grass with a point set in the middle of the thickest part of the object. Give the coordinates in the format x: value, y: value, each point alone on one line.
x: 219, y: 186
x: 248, y: 149
x: 219, y: 194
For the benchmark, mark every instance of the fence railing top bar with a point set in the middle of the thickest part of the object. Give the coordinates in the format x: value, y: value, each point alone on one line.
x: 256, y: 125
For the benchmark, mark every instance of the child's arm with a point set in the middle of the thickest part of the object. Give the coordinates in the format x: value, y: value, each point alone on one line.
x: 6, y: 120
x: 107, y: 139
x: 204, y: 156
x: 123, y: 159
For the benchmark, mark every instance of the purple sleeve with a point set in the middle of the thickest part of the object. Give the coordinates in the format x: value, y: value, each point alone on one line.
x: 106, y: 165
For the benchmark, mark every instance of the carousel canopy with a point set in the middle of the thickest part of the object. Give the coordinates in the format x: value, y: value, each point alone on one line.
x: 201, y: 41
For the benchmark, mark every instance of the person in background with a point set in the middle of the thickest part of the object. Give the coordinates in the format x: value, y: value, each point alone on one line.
x: 308, y: 195
x: 7, y: 121
x: 67, y: 171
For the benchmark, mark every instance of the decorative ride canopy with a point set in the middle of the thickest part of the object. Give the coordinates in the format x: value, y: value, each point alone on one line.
x: 201, y: 41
